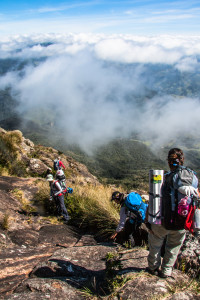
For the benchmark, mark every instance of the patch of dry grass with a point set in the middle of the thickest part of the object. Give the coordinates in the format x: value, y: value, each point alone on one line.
x: 91, y: 208
x: 10, y: 157
x: 25, y: 203
x: 4, y: 172
x: 5, y: 222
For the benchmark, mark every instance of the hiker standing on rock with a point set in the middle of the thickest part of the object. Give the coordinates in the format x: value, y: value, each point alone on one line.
x: 171, y: 230
x: 132, y: 214
x: 57, y: 192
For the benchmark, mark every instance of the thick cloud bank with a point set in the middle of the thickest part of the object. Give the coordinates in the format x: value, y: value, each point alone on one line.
x: 96, y: 87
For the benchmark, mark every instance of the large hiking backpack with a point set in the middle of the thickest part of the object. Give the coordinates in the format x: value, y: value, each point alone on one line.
x: 63, y: 184
x: 173, y: 218
x: 54, y: 189
x: 56, y: 164
x: 136, y: 208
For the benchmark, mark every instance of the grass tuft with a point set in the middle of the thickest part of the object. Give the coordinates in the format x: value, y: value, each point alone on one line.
x: 26, y: 207
x: 91, y: 208
x: 9, y: 153
x: 5, y: 222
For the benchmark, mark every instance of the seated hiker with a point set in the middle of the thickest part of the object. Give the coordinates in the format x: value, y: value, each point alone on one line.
x: 57, y: 193
x: 132, y: 215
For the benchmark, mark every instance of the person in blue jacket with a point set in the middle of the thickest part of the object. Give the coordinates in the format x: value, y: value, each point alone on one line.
x: 129, y: 226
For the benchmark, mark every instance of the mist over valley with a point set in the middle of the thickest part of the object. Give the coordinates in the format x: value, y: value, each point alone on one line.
x: 116, y: 103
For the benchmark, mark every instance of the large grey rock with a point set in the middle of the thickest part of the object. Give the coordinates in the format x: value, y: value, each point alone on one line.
x: 71, y: 273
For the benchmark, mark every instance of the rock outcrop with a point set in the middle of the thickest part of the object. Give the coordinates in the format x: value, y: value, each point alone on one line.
x: 36, y: 159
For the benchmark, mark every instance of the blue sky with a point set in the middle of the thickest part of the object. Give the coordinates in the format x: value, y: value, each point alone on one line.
x: 149, y: 17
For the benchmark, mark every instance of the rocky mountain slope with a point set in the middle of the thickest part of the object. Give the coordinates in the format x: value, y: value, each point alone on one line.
x: 40, y: 260
x: 33, y: 160
x: 44, y: 260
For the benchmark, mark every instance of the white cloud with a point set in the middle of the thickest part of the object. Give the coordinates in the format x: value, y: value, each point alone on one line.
x: 117, y: 48
x: 95, y: 93
x: 86, y: 97
x: 130, y: 52
x: 169, y: 118
x: 9, y: 80
x: 188, y: 64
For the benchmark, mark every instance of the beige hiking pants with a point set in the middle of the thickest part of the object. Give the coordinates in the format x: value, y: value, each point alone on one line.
x: 174, y: 241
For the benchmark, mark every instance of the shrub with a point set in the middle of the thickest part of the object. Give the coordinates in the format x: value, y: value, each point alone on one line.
x: 15, y: 136
x: 18, y: 168
x: 91, y: 208
x: 3, y: 171
x: 9, y: 153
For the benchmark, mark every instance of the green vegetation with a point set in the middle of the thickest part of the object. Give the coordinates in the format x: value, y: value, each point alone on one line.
x: 42, y: 199
x: 89, y: 206
x: 26, y: 206
x: 10, y: 162
x: 5, y: 222
x: 91, y: 209
x: 113, y: 263
x: 181, y: 286
x: 123, y: 162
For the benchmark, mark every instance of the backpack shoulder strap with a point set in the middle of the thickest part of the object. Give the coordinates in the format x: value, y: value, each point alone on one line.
x: 54, y: 183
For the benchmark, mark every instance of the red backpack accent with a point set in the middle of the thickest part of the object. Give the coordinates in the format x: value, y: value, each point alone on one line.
x: 189, y: 222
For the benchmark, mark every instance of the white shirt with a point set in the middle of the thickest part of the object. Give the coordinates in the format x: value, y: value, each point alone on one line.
x: 123, y: 217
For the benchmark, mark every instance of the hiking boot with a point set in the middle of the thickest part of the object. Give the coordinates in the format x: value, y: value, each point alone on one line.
x: 66, y: 221
x: 131, y: 241
x: 163, y: 275
x: 152, y: 272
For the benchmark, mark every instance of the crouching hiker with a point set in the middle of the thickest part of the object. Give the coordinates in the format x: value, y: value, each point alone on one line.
x: 57, y: 192
x: 132, y: 215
